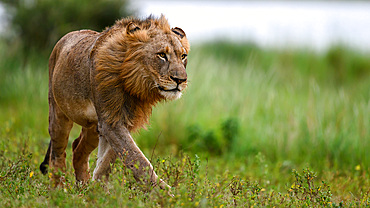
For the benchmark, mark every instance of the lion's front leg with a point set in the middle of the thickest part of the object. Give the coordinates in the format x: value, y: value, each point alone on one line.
x: 106, y: 156
x: 122, y: 144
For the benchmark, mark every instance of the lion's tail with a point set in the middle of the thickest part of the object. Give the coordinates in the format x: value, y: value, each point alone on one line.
x: 52, y: 60
x: 44, y: 165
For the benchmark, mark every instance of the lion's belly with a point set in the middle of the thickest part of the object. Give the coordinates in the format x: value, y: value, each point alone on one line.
x: 85, y: 115
x: 80, y: 111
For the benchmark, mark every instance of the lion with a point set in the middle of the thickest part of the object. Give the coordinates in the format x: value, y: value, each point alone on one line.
x: 108, y: 82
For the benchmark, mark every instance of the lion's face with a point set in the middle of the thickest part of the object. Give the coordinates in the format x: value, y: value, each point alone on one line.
x: 146, y: 60
x: 168, y: 58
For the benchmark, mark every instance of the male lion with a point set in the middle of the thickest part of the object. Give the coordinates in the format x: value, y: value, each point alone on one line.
x: 108, y: 82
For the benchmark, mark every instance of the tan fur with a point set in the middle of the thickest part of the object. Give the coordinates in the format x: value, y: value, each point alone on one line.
x: 110, y: 81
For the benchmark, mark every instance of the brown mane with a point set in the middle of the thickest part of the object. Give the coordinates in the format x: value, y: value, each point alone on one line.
x: 125, y: 92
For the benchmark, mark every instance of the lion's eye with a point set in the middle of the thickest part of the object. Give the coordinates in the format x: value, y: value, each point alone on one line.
x: 183, y: 56
x: 162, y: 56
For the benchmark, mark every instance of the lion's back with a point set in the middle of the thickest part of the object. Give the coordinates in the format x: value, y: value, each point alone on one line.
x: 73, y: 44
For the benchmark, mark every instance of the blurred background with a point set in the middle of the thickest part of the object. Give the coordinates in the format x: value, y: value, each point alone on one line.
x: 285, y: 79
x: 314, y: 24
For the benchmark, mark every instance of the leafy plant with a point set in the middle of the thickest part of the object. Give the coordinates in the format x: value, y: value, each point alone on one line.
x: 230, y: 131
x: 210, y: 141
x: 40, y: 23
x: 307, y: 192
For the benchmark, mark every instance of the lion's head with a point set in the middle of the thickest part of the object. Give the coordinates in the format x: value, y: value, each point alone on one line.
x: 145, y: 59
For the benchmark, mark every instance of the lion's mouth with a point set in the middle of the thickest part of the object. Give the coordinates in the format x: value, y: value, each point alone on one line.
x: 169, y: 90
x: 170, y: 94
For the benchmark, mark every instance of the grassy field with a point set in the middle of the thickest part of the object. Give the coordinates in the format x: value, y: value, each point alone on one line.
x: 256, y: 127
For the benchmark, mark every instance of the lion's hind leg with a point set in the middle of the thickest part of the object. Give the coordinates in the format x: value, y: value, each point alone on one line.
x: 82, y: 147
x: 59, y: 128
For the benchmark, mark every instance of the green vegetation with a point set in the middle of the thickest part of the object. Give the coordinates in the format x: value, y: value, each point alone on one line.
x: 41, y: 23
x: 256, y: 127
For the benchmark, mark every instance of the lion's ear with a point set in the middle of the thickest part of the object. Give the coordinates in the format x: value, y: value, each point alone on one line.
x: 179, y: 32
x: 131, y: 28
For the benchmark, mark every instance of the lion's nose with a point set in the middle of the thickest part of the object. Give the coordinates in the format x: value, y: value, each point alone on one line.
x: 178, y: 80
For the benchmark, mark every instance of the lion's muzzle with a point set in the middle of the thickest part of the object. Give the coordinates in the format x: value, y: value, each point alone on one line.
x: 173, y: 87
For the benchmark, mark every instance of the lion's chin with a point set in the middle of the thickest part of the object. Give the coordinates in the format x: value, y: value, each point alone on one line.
x: 171, y: 95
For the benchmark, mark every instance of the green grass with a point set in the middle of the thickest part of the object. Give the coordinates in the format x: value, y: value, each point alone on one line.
x: 252, y: 115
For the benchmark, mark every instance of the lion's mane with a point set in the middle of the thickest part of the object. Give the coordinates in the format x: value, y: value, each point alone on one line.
x: 118, y: 57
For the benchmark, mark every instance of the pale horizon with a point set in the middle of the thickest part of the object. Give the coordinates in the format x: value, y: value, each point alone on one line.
x: 287, y: 24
